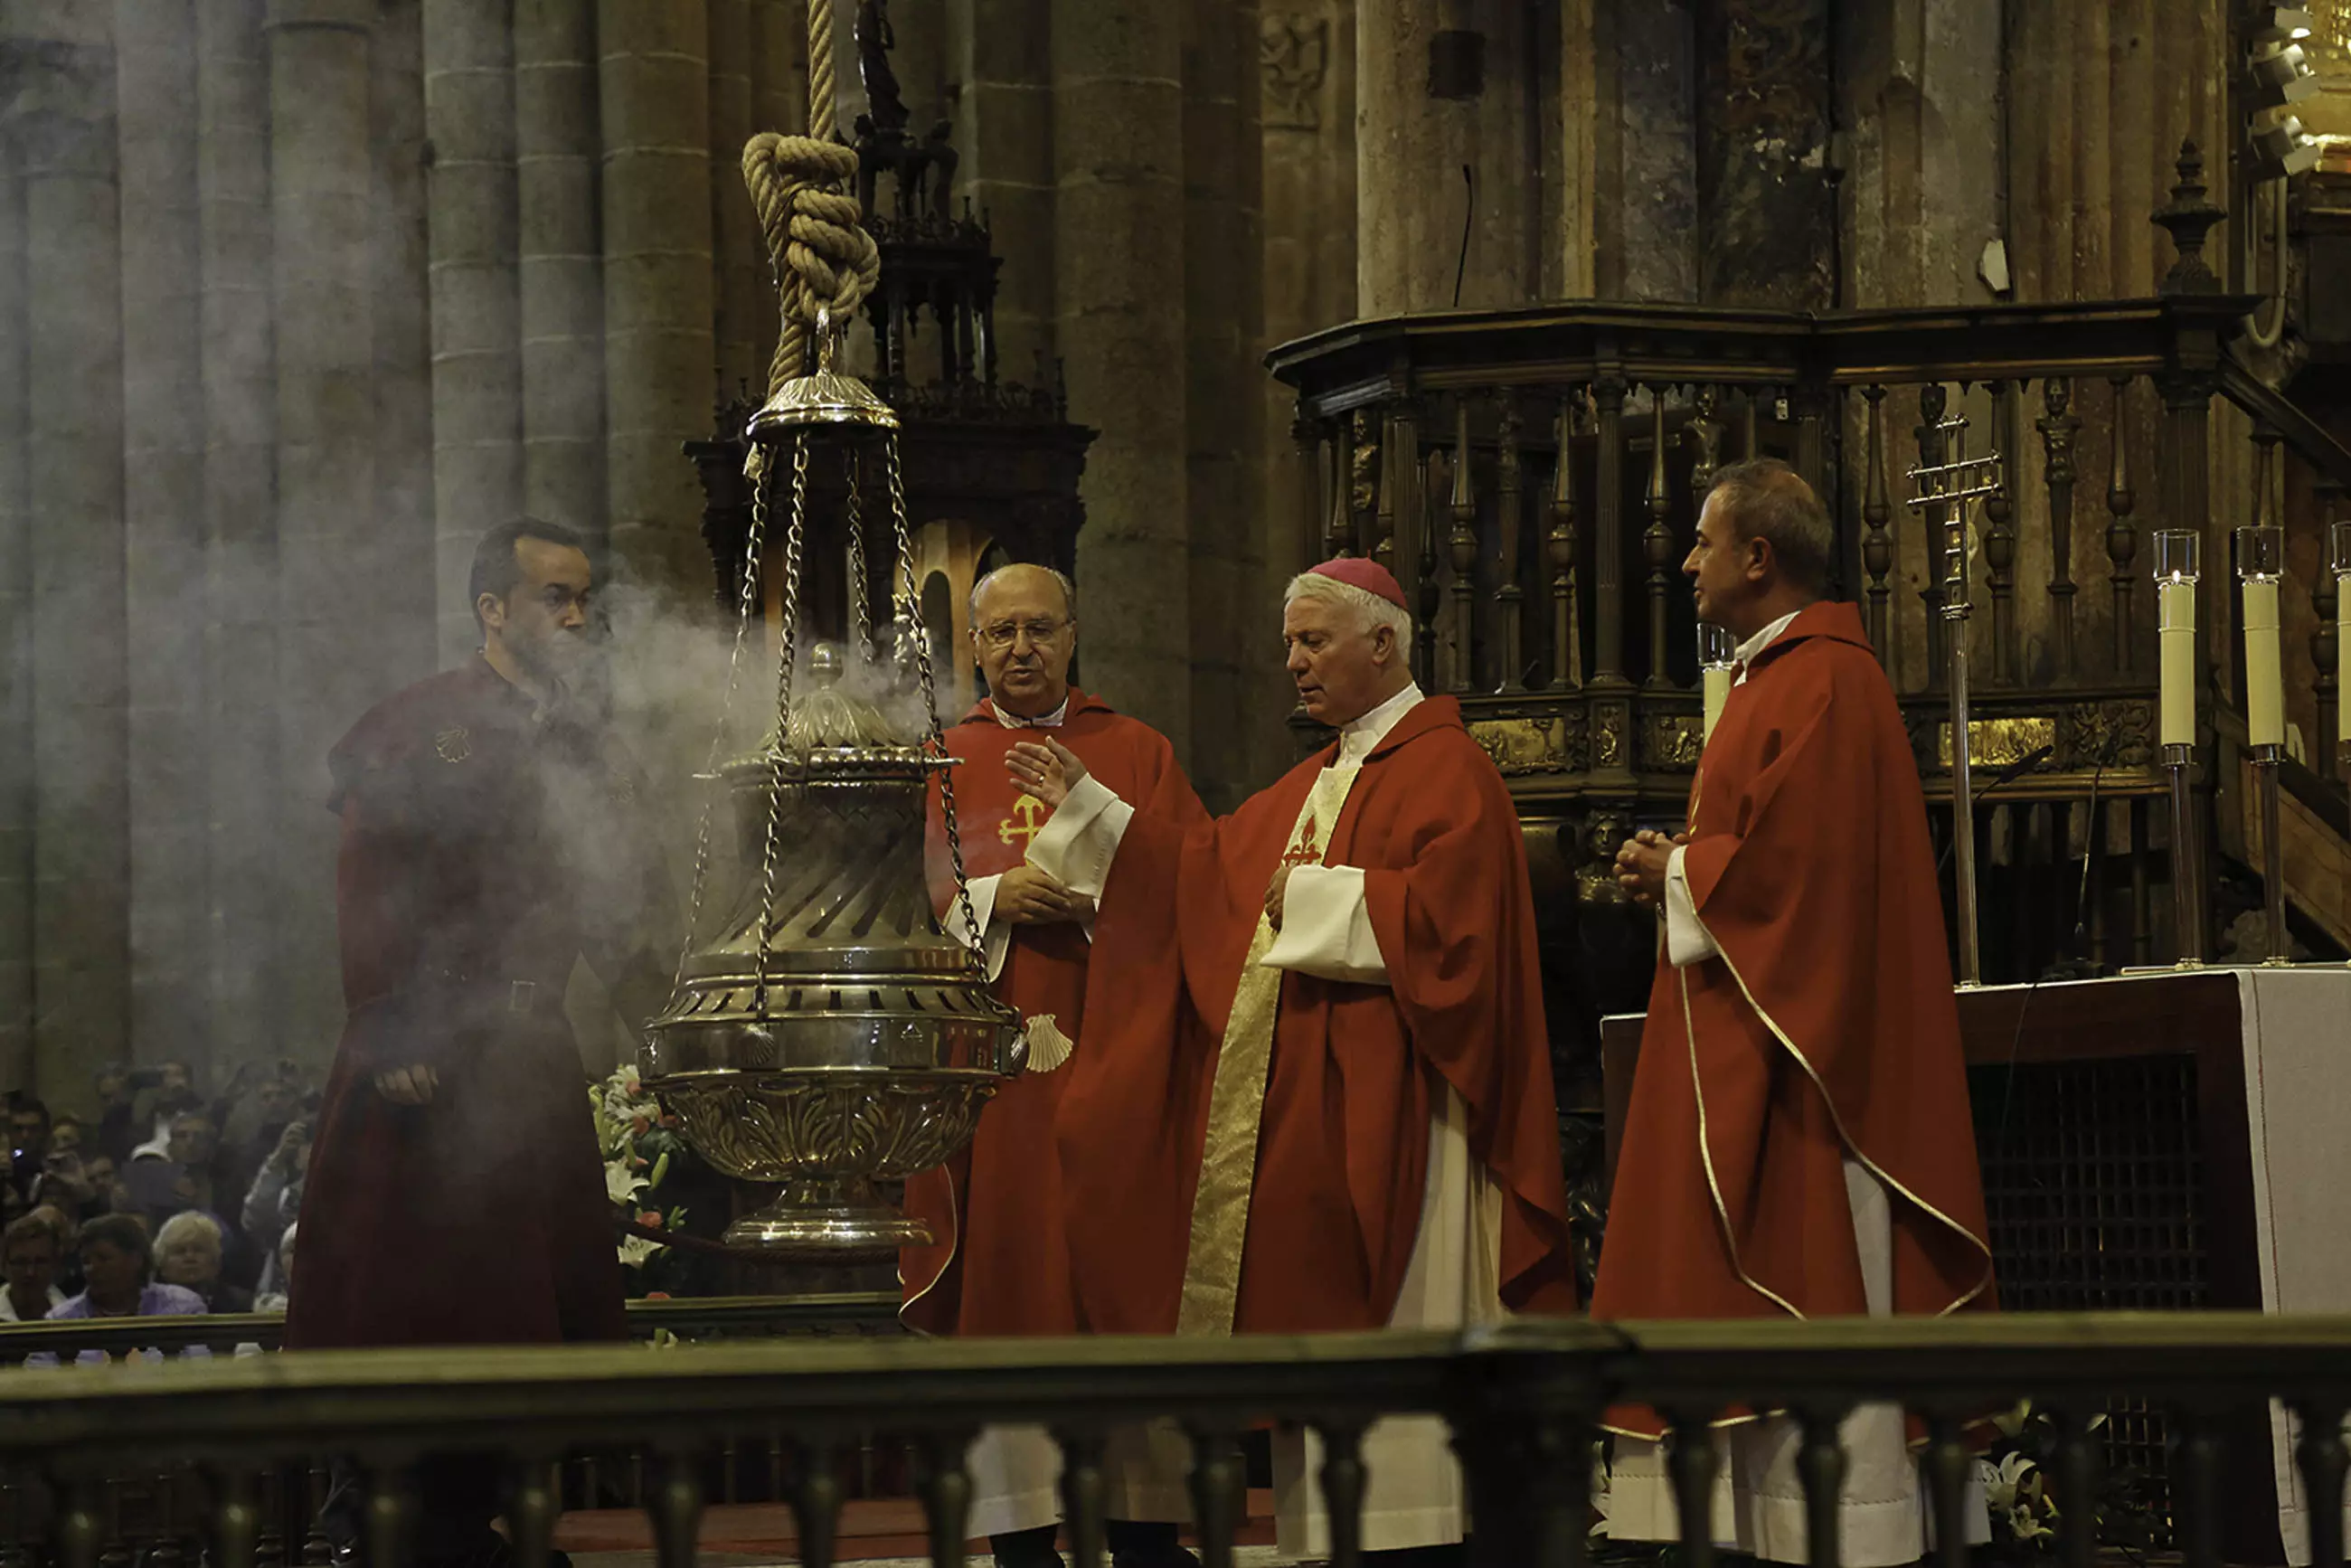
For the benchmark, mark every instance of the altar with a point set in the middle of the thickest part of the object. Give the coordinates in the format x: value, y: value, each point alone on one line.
x: 2165, y: 1141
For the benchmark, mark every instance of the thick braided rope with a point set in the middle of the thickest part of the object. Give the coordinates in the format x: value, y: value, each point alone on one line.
x: 823, y: 255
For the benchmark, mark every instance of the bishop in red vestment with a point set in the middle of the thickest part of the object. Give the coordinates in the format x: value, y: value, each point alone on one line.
x: 1799, y: 1138
x: 1316, y: 1091
x: 998, y: 1262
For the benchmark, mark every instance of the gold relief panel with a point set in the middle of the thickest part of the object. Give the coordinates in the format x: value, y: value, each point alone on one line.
x: 1998, y: 742
x: 2108, y: 735
x: 1672, y: 740
x: 1523, y: 745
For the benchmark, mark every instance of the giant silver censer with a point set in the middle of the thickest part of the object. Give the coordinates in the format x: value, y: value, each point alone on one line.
x: 830, y: 1034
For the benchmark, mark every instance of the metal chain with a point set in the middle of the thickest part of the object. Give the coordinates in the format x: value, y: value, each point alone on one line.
x: 860, y: 602
x: 754, y: 468
x: 935, y: 741
x: 789, y: 642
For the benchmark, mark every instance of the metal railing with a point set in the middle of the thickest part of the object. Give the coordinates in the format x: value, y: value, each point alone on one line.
x: 1523, y: 1401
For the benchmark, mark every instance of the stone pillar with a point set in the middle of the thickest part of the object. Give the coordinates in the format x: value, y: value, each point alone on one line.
x: 404, y: 545
x: 655, y: 100
x: 740, y: 254
x: 162, y: 458
x: 81, y: 862
x: 243, y: 917
x: 469, y: 112
x: 1216, y: 403
x: 1411, y: 145
x: 321, y: 185
x: 17, y: 610
x: 778, y: 75
x: 1644, y: 164
x: 1005, y: 127
x: 561, y: 271
x: 1118, y: 266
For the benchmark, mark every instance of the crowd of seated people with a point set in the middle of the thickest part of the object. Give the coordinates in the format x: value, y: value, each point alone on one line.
x: 210, y: 1187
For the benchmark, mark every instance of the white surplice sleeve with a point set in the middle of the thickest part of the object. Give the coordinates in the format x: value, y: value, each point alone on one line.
x: 1326, y: 927
x: 1687, y: 941
x: 1076, y: 847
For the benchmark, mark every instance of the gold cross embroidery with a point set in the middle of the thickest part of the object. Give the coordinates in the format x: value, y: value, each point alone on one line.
x: 1305, y: 851
x: 1027, y: 809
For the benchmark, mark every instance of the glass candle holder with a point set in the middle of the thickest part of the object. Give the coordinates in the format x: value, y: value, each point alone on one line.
x: 1716, y: 654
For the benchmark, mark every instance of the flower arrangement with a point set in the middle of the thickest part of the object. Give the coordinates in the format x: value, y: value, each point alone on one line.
x: 2025, y: 1512
x: 640, y: 1143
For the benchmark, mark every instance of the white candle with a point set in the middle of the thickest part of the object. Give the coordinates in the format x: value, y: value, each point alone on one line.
x: 1714, y: 683
x: 2264, y: 686
x: 2342, y: 653
x: 2175, y: 603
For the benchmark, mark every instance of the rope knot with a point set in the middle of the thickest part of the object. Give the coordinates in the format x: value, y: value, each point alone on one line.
x: 823, y: 256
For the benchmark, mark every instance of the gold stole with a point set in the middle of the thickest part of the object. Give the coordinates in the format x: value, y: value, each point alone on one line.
x: 1212, y: 1267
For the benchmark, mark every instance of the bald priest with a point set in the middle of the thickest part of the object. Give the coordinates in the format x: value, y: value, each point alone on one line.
x: 998, y: 1262
x: 1317, y: 1094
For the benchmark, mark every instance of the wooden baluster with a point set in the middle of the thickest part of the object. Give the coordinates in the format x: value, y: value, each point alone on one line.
x: 2122, y: 537
x: 2323, y: 1458
x: 1382, y: 546
x: 1692, y: 1461
x: 2076, y: 1476
x: 236, y: 1517
x: 944, y: 1484
x: 2058, y: 425
x: 1410, y: 519
x: 1811, y: 458
x: 531, y: 1509
x: 1461, y: 551
x: 1343, y: 1490
x: 1608, y: 539
x: 1427, y: 597
x: 2324, y: 594
x: 674, y: 1511
x: 1509, y: 600
x: 1336, y: 527
x: 1558, y: 1504
x: 318, y: 1485
x: 1750, y: 438
x: 1559, y: 549
x: 269, y: 1544
x: 1819, y: 1467
x: 1946, y: 1464
x: 1219, y: 1494
x: 80, y: 1524
x: 1999, y: 548
x: 1658, y: 542
x: 391, y: 1492
x: 1876, y: 545
x: 1081, y: 1498
x: 816, y: 1504
x: 1362, y: 484
x: 1932, y: 401
x: 2195, y: 1475
x: 165, y: 1552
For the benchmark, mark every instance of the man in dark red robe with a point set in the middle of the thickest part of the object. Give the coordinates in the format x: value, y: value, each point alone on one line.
x: 1317, y: 1091
x: 493, y: 835
x: 1799, y: 1139
x: 999, y: 1260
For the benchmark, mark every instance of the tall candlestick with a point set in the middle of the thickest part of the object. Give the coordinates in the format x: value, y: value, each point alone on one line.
x: 2261, y: 556
x: 2177, y: 564
x: 2342, y: 569
x: 1716, y: 654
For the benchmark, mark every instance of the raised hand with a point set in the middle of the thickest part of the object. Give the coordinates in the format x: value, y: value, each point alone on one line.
x: 1046, y: 769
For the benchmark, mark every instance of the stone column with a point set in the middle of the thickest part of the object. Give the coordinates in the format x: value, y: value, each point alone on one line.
x: 405, y: 562
x: 238, y: 510
x: 321, y: 185
x: 1005, y: 127
x: 739, y: 252
x: 469, y: 112
x: 1118, y: 264
x: 1216, y: 403
x: 164, y: 458
x: 654, y: 98
x: 1645, y: 218
x: 81, y: 864
x: 16, y: 609
x: 1411, y: 145
x: 778, y: 102
x: 556, y: 148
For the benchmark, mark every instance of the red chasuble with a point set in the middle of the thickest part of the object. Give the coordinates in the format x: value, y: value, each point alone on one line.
x: 1356, y: 1071
x: 998, y: 1262
x: 1826, y: 1028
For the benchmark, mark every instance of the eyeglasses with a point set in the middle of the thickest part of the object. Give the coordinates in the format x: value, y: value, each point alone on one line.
x: 1004, y: 633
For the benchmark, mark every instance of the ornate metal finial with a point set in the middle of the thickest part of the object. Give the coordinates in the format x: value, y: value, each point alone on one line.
x: 2189, y: 218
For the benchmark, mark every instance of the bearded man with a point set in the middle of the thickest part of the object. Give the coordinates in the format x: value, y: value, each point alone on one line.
x: 1798, y: 1139
x: 493, y: 835
x: 999, y: 1260
x: 1317, y: 1091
